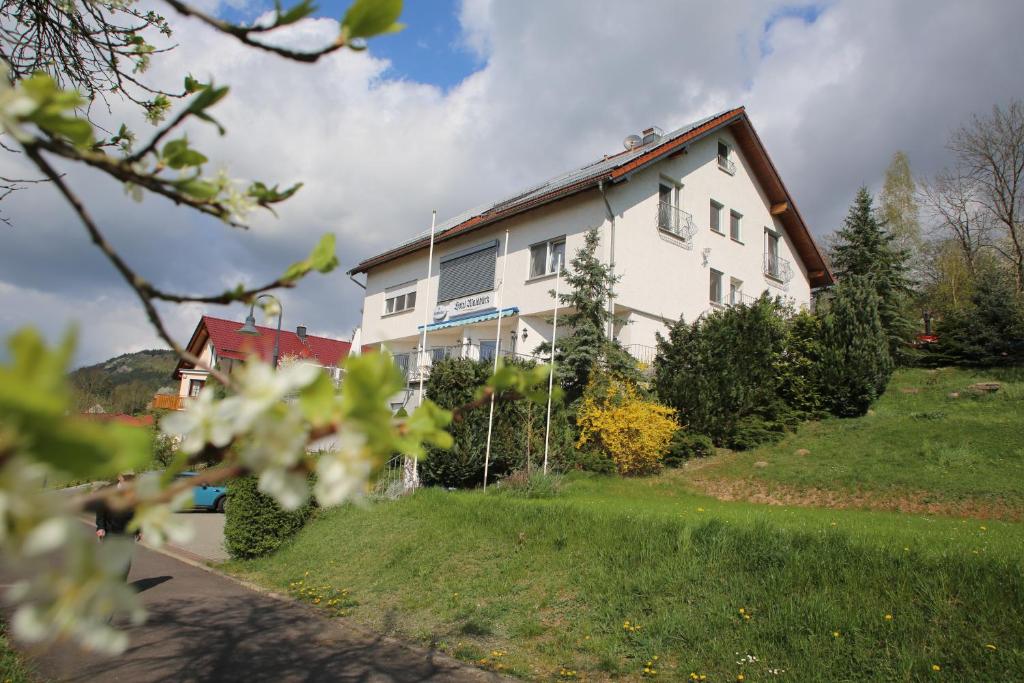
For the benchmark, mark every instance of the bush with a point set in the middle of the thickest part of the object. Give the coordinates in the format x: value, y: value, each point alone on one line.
x: 594, y: 460
x: 686, y: 445
x: 634, y: 433
x: 518, y: 431
x: 990, y: 330
x: 855, y: 361
x: 255, y: 525
x: 723, y: 373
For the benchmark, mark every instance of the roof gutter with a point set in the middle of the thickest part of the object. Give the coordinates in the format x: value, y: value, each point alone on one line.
x: 352, y: 277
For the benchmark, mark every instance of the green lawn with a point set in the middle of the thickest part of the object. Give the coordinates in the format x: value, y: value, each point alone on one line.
x: 918, y: 449
x: 615, y: 576
x: 552, y: 583
x: 12, y: 669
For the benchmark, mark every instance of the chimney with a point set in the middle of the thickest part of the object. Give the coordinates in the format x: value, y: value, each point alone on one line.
x: 301, y: 331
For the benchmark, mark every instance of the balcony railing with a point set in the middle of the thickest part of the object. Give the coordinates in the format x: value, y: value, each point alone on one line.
x: 169, y: 402
x: 674, y: 220
x: 741, y: 298
x: 777, y: 267
x: 411, y: 363
x: 726, y: 164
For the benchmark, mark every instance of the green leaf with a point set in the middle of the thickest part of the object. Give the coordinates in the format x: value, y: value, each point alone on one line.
x: 177, y: 154
x: 367, y: 18
x: 203, y: 190
x: 299, y: 11
x: 192, y: 85
x: 318, y: 401
x: 270, y: 195
x: 323, y: 259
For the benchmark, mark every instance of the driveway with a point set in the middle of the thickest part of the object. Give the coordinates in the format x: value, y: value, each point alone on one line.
x: 205, y: 627
x: 207, y: 544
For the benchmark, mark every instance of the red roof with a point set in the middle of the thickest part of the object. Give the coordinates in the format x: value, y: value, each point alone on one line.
x: 228, y: 342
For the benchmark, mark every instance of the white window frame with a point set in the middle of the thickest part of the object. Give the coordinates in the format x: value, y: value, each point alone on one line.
x: 721, y: 277
x: 720, y: 209
x: 738, y: 237
x: 399, y: 294
x: 726, y: 163
x: 548, y: 269
x: 735, y: 291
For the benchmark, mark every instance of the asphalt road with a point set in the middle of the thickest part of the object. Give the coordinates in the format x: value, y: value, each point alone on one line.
x: 205, y: 627
x: 207, y: 542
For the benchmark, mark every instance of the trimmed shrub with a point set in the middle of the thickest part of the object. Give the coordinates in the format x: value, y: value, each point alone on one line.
x: 255, y: 525
x: 686, y: 445
x: 635, y: 433
x: 723, y: 373
x: 518, y: 431
x: 855, y: 361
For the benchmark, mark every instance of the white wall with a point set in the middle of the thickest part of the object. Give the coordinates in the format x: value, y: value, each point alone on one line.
x: 661, y: 279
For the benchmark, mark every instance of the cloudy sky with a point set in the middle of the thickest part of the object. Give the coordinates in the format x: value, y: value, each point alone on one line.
x: 479, y: 98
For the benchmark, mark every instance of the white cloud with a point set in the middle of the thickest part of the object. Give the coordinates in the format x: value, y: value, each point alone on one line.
x: 560, y: 84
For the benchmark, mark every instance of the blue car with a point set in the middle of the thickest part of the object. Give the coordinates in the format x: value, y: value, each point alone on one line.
x: 207, y: 496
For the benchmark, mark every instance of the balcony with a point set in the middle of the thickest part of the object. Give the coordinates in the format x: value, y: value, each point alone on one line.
x: 739, y: 297
x: 412, y: 363
x: 675, y: 221
x: 726, y: 164
x: 168, y: 402
x: 777, y: 268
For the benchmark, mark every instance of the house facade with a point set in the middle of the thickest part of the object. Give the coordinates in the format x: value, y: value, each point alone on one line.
x: 690, y: 220
x: 218, y: 343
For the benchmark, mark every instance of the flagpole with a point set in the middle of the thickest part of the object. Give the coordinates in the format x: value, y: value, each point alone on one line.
x: 426, y: 306
x: 497, y: 355
x: 551, y: 376
x: 423, y: 338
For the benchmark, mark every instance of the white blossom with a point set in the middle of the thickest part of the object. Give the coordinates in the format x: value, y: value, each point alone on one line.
x: 204, y: 421
x: 342, y: 474
x: 289, y: 488
x: 158, y: 523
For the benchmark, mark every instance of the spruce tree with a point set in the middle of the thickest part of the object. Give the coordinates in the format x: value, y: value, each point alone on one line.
x: 865, y: 247
x: 583, y: 342
x: 855, y: 361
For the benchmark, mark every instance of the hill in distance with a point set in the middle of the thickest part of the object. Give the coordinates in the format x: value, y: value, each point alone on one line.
x: 123, y: 384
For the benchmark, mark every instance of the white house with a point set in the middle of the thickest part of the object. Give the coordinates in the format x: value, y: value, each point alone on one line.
x: 690, y: 220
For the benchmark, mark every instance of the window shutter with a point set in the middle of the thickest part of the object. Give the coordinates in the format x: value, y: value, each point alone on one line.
x: 468, y: 273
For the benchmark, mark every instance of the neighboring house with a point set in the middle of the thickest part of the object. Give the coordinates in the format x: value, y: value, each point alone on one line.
x: 690, y: 220
x: 218, y: 343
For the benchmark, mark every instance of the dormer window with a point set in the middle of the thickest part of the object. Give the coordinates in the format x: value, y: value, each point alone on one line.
x: 724, y: 161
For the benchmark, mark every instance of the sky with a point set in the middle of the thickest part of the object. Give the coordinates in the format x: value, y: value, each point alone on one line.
x: 475, y: 100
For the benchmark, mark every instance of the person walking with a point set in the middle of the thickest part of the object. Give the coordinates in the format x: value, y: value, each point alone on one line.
x: 114, y: 523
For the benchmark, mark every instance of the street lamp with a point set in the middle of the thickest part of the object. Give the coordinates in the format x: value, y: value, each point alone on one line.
x: 250, y: 324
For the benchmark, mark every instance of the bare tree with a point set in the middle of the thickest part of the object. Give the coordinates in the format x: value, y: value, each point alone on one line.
x: 952, y: 203
x: 990, y: 151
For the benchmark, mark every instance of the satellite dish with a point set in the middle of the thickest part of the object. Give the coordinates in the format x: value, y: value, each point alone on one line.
x: 632, y: 142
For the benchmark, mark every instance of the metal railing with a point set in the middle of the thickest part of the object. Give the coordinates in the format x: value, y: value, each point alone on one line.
x: 777, y: 267
x: 412, y: 362
x: 169, y: 402
x: 726, y: 164
x: 741, y: 298
x: 398, y: 477
x: 674, y: 220
x: 643, y: 354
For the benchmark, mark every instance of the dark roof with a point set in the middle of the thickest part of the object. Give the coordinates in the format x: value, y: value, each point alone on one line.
x: 228, y: 342
x: 619, y: 167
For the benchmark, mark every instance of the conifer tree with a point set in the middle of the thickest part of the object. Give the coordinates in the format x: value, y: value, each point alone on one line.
x: 584, y: 343
x: 865, y: 247
x: 855, y: 361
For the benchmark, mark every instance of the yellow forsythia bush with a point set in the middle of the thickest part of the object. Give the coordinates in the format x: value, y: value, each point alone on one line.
x: 635, y: 433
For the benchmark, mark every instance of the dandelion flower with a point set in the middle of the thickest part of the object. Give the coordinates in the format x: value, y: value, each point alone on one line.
x: 740, y: 677
x: 936, y: 667
x: 888, y: 617
x: 835, y: 634
x: 990, y: 646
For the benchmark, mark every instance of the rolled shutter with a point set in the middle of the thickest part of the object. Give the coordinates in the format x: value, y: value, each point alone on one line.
x: 467, y: 273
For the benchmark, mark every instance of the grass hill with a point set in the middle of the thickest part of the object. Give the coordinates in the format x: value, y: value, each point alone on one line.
x: 632, y: 579
x: 124, y: 384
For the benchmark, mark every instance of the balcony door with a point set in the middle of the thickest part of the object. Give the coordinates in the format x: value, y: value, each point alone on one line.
x: 488, y: 347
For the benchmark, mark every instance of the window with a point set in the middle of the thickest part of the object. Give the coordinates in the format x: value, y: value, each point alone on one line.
x: 716, y: 287
x: 546, y: 256
x: 716, y: 216
x: 724, y: 162
x: 735, y: 291
x: 194, y: 387
x: 466, y: 272
x: 488, y: 347
x: 400, y: 298
x: 771, y: 254
x: 734, y: 225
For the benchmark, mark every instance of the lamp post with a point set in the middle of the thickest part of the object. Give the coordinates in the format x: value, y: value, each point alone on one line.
x: 250, y: 324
